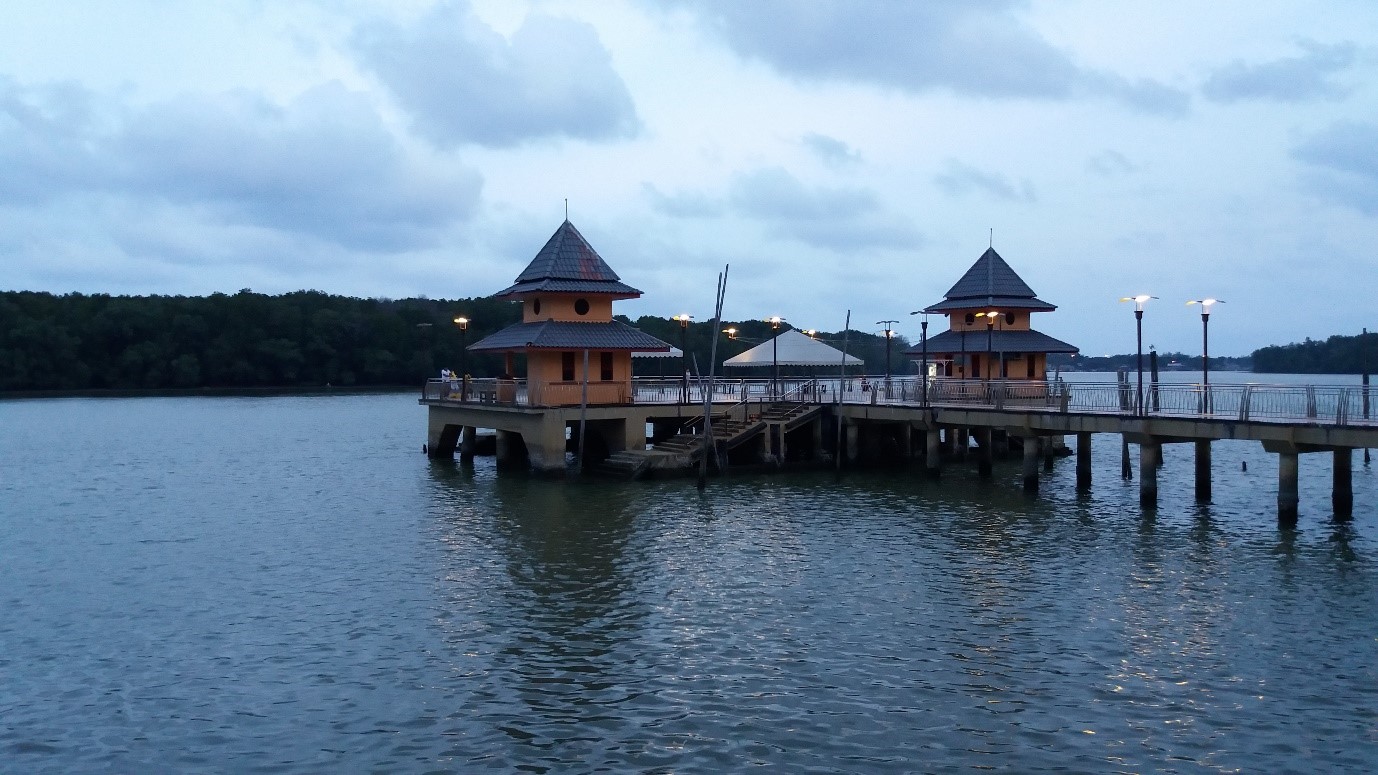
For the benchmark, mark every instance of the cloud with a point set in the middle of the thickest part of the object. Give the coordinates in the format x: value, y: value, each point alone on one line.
x: 322, y: 165
x: 45, y: 142
x: 1292, y: 79
x: 683, y: 204
x: 174, y: 192
x: 1345, y: 168
x: 832, y: 151
x: 838, y: 219
x: 960, y: 179
x: 462, y: 82
x: 1110, y: 163
x: 973, y: 48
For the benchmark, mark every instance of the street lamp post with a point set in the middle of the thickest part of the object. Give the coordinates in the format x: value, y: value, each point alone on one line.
x: 1205, y: 347
x: 775, y: 358
x: 463, y: 324
x: 684, y: 319
x: 990, y: 329
x: 889, y: 332
x: 1139, y: 345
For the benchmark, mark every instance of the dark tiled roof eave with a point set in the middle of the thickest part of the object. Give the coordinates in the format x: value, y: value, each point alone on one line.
x: 1000, y: 341
x: 992, y: 302
x: 569, y: 335
x: 612, y: 288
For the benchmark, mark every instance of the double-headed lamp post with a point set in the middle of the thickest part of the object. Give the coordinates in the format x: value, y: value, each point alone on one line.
x: 923, y: 369
x: 1139, y: 344
x: 1205, y: 337
x: 684, y: 319
x: 889, y: 333
x: 463, y: 324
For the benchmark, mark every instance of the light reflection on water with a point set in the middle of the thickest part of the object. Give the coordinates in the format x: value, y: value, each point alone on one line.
x: 287, y: 585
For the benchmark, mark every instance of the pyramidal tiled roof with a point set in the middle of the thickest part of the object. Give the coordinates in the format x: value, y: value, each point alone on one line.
x: 568, y: 264
x: 990, y: 282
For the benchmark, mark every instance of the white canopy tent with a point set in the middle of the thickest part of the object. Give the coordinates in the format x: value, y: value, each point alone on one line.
x: 673, y: 352
x: 792, y: 349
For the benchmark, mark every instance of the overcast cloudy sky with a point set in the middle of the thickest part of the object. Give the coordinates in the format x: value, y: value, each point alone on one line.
x: 839, y: 154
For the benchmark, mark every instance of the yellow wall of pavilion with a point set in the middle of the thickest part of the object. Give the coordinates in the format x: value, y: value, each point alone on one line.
x: 562, y: 307
x: 546, y: 384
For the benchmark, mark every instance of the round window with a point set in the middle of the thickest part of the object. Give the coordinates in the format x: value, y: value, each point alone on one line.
x: 970, y: 318
x: 581, y: 306
x: 536, y: 307
x: 1009, y: 318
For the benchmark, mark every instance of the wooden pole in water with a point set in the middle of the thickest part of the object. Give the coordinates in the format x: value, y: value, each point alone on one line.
x: 583, y: 412
x: 841, y: 384
x: 708, y: 446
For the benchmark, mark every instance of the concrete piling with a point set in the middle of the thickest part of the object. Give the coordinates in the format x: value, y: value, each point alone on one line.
x: 1203, y: 471
x: 1148, y: 474
x: 1083, y: 461
x: 1342, y: 492
x: 984, y: 452
x: 932, y: 455
x: 1031, y: 464
x: 1287, y: 489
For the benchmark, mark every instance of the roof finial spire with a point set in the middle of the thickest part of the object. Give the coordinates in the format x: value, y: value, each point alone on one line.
x: 566, y: 208
x: 992, y: 238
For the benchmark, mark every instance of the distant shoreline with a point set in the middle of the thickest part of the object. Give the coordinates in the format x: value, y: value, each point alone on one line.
x: 210, y: 392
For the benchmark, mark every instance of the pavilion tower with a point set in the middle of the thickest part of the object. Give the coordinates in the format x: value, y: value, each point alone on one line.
x: 989, y: 334
x: 566, y: 293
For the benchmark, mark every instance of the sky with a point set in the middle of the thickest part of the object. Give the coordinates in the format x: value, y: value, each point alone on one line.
x: 837, y: 154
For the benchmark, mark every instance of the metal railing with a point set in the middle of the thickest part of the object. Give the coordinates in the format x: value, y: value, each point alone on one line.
x: 1312, y: 404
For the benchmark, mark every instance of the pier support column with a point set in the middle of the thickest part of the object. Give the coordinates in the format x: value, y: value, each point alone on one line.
x: 932, y: 460
x: 906, y: 441
x: 506, y: 444
x: 1126, y: 469
x: 817, y: 427
x: 1046, y: 445
x: 1287, y: 489
x: 984, y: 452
x: 1149, y: 453
x: 1083, y: 461
x: 963, y: 442
x: 1031, y: 464
x: 1342, y: 492
x: 468, y: 440
x: 545, y: 445
x: 1203, y: 470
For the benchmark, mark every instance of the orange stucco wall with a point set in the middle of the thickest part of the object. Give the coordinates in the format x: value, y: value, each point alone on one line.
x: 546, y: 385
x: 561, y: 307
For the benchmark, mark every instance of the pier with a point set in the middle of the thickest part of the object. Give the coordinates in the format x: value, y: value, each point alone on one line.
x: 814, y: 420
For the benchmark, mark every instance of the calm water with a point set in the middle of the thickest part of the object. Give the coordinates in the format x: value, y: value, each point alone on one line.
x: 288, y: 585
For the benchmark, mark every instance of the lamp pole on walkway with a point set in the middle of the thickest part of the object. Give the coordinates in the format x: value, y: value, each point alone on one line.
x: 990, y: 329
x: 463, y: 324
x: 1139, y: 345
x: 1205, y: 338
x: 889, y: 332
x: 684, y: 319
x: 775, y: 322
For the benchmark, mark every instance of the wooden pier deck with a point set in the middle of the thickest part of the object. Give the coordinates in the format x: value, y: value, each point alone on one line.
x: 927, y: 419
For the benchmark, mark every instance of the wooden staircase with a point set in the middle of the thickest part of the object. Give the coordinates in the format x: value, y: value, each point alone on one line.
x: 683, y: 450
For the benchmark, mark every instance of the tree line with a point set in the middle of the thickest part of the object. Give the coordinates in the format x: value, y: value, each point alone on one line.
x: 1339, y: 354
x: 304, y: 339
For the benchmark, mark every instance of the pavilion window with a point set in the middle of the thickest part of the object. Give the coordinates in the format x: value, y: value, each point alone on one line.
x: 567, y: 367
x: 605, y: 364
